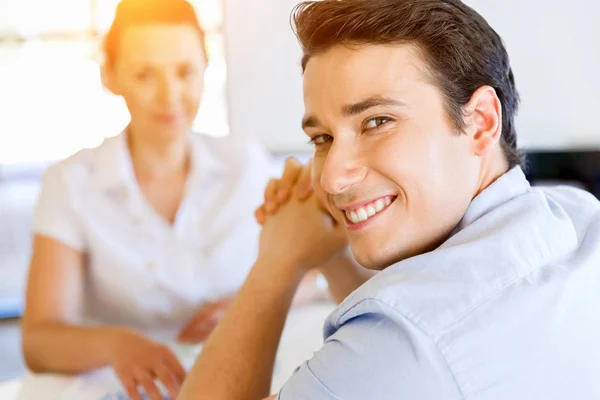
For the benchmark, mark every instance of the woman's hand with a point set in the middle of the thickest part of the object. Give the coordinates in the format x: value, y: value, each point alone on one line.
x: 141, y: 362
x: 202, y: 324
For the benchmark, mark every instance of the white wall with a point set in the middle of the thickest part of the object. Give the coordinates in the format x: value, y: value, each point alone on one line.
x: 264, y: 73
x: 554, y: 48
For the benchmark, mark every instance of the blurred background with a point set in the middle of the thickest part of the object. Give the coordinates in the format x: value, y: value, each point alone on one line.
x: 50, y: 94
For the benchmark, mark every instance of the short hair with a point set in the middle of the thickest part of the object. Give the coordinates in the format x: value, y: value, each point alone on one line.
x: 460, y: 48
x: 141, y: 12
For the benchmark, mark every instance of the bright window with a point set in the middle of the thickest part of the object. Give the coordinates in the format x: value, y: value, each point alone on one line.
x: 52, y: 102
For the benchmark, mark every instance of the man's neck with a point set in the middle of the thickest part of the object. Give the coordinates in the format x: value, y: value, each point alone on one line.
x: 492, y: 168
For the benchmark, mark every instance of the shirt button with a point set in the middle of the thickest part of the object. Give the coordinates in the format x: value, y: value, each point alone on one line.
x: 151, y: 266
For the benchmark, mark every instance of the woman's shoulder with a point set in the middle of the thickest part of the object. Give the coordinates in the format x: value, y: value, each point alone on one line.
x: 81, y: 164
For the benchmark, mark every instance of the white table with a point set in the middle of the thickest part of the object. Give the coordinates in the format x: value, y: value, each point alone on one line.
x: 302, y: 335
x: 10, y: 390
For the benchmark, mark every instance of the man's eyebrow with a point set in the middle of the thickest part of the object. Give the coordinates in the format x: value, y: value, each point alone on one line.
x: 351, y: 110
x: 310, y: 122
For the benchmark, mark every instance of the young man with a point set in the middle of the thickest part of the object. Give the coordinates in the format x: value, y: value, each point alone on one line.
x: 489, y: 288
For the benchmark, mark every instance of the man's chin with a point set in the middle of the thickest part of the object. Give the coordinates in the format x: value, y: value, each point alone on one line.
x: 377, y: 257
x: 369, y: 259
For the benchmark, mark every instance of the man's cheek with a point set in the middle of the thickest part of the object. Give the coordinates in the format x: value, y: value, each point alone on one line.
x: 328, y: 207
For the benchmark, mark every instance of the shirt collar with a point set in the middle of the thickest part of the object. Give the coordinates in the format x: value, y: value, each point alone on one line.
x: 204, y: 162
x: 114, y: 169
x: 510, y: 185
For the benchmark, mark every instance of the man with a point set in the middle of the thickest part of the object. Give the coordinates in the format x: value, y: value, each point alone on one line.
x: 489, y: 288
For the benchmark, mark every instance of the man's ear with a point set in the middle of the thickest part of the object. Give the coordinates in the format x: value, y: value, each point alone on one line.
x: 483, y: 117
x: 107, y: 75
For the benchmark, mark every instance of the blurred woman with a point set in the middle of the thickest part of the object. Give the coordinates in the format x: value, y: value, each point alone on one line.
x: 153, y: 230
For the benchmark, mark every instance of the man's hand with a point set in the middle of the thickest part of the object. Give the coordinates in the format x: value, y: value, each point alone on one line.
x: 342, y: 272
x: 294, y: 181
x: 141, y: 362
x: 238, y: 363
x: 202, y: 324
x: 302, y: 234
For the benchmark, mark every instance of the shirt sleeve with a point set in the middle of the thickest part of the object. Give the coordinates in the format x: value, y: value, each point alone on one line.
x: 54, y: 215
x: 373, y: 355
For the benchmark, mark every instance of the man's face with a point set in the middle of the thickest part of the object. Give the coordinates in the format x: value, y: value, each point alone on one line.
x: 388, y: 162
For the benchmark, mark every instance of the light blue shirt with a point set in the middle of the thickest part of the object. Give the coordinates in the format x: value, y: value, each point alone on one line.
x: 508, y: 308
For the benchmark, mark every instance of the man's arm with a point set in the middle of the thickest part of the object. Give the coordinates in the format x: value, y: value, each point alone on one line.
x: 238, y: 360
x: 344, y: 275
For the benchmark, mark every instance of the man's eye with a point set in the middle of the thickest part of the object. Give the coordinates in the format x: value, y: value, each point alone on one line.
x: 377, y: 122
x: 320, y: 139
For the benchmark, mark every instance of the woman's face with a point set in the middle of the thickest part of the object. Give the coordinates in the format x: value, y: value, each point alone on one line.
x: 159, y: 70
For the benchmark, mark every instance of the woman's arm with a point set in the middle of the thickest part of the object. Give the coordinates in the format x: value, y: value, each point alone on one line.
x: 53, y: 343
x: 54, y: 297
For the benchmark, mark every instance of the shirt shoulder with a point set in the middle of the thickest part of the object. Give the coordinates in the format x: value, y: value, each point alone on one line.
x: 581, y: 206
x: 77, y: 167
x: 437, y: 289
x: 60, y: 201
x: 376, y: 353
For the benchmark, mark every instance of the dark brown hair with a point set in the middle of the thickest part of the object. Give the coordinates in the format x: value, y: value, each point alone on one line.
x: 460, y: 48
x: 141, y: 12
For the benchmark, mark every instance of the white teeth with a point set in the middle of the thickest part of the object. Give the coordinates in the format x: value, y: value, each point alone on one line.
x: 371, y: 211
x: 364, y: 213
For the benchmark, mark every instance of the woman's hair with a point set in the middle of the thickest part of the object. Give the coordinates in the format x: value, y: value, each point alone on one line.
x: 142, y: 12
x: 462, y: 51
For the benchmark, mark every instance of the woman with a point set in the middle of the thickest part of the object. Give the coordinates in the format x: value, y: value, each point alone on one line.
x: 153, y: 230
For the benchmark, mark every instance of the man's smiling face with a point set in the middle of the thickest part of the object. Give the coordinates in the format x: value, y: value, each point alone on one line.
x: 388, y: 161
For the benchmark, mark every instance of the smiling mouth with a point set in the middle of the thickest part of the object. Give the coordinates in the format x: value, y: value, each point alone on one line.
x: 369, y: 210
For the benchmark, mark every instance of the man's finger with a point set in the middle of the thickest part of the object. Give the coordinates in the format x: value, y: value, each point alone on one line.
x: 271, y: 195
x: 260, y: 215
x: 304, y: 185
x: 271, y: 189
x: 291, y: 173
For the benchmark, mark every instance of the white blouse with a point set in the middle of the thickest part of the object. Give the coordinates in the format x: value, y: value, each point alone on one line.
x: 142, y: 271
